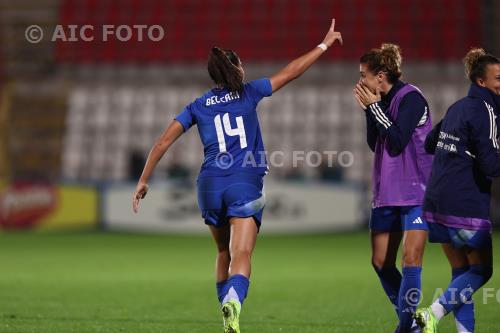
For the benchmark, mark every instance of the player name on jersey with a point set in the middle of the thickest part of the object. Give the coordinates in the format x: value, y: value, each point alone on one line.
x: 223, y: 99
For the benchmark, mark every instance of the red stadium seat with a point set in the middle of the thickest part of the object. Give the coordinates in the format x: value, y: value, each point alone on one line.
x: 265, y: 29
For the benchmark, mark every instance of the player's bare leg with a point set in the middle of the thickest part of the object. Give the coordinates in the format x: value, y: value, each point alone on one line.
x: 221, y: 237
x: 456, y: 257
x: 243, y: 235
x: 243, y: 238
x: 385, y: 248
x: 413, y: 247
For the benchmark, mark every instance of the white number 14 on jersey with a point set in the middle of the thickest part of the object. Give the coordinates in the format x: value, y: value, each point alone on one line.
x: 239, y: 130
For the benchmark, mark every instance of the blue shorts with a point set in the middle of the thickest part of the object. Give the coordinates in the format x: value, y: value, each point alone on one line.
x: 397, y: 218
x: 236, y: 195
x: 476, y: 239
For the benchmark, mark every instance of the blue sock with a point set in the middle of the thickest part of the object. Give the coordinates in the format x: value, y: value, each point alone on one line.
x: 390, y: 277
x: 464, y: 314
x: 236, y: 288
x: 220, y: 290
x: 461, y: 289
x: 409, y: 296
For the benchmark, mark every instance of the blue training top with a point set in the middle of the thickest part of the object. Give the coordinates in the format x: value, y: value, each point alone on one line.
x: 229, y: 129
x: 466, y: 158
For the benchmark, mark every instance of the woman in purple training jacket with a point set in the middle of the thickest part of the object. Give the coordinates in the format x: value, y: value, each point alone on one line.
x: 398, y: 120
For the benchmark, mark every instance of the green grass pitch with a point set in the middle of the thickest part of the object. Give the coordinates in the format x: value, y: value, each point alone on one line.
x: 109, y: 282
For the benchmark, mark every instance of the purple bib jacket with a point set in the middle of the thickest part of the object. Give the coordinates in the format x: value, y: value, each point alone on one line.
x: 401, y: 180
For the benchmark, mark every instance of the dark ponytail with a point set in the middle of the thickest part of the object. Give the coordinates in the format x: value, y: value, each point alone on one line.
x: 223, y: 67
x: 475, y: 62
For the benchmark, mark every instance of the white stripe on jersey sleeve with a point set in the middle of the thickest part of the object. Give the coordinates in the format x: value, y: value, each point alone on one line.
x: 383, y: 114
x: 493, y: 126
x: 424, y: 117
x: 380, y: 116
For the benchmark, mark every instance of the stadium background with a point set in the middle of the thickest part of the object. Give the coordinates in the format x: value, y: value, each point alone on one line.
x: 77, y: 119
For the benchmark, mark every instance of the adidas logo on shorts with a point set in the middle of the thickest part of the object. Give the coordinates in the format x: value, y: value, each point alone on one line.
x: 418, y: 220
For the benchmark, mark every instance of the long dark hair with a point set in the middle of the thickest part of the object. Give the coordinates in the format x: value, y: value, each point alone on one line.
x: 223, y: 67
x: 475, y: 62
x: 386, y: 59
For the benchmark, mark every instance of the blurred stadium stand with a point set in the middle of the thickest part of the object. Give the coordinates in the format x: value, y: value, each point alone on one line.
x: 87, y: 111
x: 262, y: 30
x: 113, y: 117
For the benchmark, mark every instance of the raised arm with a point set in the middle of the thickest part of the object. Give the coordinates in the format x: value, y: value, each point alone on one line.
x: 160, y: 147
x: 298, y: 66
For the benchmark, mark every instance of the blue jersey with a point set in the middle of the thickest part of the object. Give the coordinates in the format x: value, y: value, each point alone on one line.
x: 229, y: 129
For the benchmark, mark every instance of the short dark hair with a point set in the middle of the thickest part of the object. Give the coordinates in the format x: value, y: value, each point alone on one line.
x: 223, y: 69
x: 476, y: 61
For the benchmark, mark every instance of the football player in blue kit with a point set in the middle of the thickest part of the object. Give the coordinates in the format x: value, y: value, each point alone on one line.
x: 230, y: 183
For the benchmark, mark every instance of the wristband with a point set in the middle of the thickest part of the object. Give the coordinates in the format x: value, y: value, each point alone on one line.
x: 323, y: 46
